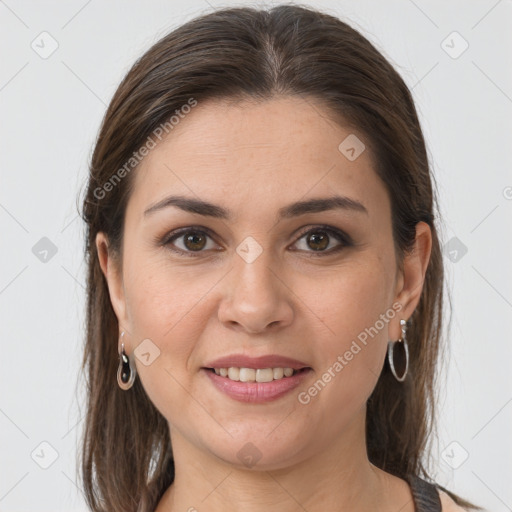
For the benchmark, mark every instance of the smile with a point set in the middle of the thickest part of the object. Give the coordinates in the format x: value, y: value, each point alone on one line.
x: 256, y: 385
x: 254, y: 374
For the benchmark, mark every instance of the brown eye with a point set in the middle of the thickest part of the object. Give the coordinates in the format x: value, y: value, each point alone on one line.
x: 188, y: 241
x: 195, y: 241
x: 317, y: 240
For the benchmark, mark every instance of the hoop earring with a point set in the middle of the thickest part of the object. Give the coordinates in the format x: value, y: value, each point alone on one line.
x: 399, y: 360
x: 126, y: 373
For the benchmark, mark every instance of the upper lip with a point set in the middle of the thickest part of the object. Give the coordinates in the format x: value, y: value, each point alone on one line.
x: 267, y: 361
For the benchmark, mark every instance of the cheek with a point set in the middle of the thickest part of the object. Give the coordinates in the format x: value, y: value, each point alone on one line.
x: 160, y: 297
x: 167, y: 305
x: 357, y: 311
x: 164, y: 306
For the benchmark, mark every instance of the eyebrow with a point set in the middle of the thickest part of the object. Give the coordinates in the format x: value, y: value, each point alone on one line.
x: 207, y: 209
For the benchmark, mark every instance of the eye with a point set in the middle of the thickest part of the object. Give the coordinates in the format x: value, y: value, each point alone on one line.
x: 192, y: 240
x: 319, y: 238
x: 195, y: 240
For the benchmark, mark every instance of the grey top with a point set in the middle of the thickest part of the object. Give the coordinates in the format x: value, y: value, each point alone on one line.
x: 426, y: 496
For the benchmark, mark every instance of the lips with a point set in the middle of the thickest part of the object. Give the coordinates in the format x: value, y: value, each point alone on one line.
x: 267, y: 361
x: 257, y: 392
x: 240, y: 385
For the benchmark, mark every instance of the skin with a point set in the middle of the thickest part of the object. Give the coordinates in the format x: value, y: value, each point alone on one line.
x: 254, y: 158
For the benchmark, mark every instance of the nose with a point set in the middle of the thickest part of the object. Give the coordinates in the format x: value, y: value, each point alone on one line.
x: 256, y: 297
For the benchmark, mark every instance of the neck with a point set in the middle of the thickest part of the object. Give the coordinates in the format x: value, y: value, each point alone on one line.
x: 339, y: 477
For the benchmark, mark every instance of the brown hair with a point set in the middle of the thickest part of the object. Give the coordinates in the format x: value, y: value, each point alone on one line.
x: 239, y: 53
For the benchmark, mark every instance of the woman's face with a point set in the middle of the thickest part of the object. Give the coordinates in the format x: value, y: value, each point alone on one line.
x: 318, y: 285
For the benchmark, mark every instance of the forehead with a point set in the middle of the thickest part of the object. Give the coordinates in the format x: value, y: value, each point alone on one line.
x: 254, y: 154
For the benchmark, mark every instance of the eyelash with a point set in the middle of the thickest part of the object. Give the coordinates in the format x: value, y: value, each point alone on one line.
x: 342, y: 237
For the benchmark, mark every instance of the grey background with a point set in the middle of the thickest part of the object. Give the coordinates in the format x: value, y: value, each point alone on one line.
x: 51, y: 109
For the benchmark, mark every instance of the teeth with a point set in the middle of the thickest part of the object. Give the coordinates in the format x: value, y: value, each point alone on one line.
x: 234, y: 373
x: 278, y: 373
x: 254, y: 375
x: 247, y: 374
x: 264, y: 375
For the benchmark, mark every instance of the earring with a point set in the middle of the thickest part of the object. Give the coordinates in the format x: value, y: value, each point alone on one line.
x: 125, y: 372
x: 399, y: 360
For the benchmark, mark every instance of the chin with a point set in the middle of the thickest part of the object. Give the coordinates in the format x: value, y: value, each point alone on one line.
x: 253, y: 448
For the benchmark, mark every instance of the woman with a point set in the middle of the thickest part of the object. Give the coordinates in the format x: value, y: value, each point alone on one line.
x: 265, y: 277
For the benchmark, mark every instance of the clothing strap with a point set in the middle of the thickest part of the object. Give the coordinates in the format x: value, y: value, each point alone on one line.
x: 426, y: 496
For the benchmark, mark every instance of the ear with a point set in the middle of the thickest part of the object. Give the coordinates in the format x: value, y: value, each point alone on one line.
x: 411, y: 277
x: 111, y: 270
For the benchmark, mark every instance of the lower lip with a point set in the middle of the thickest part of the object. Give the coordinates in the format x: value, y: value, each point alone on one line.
x: 257, y: 392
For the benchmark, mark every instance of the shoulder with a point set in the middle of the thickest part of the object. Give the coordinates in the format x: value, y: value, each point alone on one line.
x: 447, y: 503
